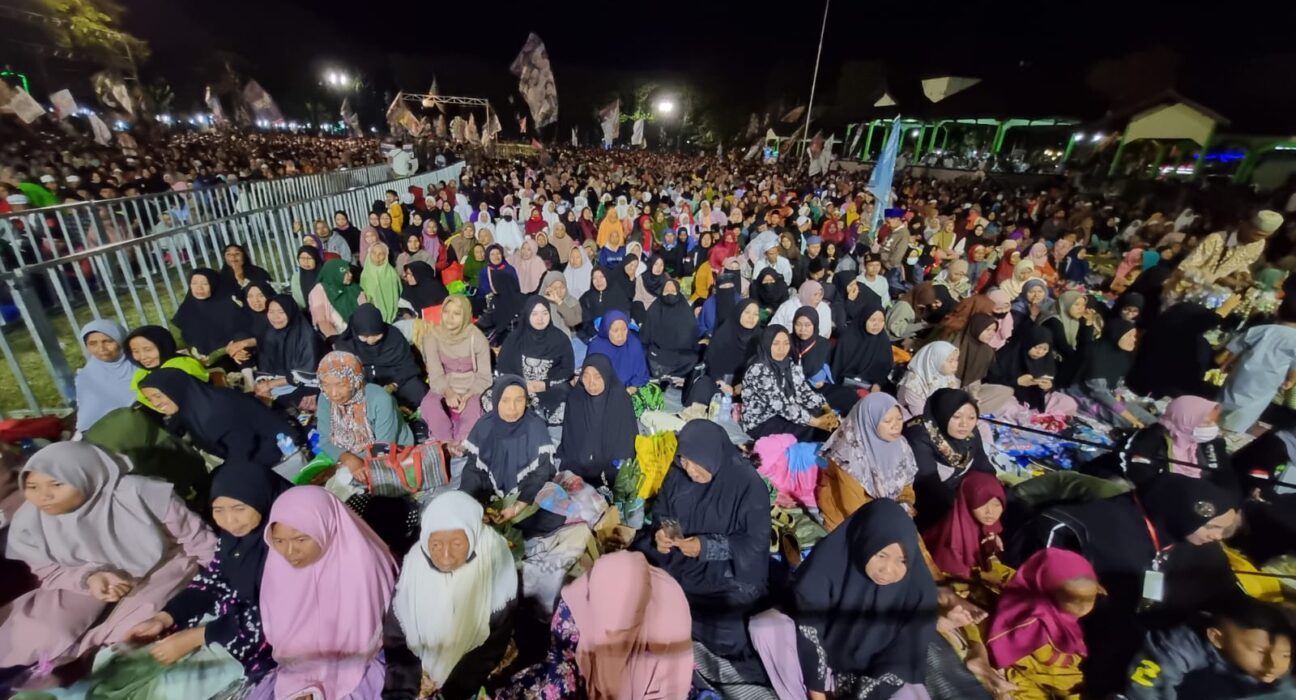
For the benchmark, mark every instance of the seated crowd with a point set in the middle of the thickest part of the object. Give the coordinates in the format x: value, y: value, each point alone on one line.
x: 689, y: 427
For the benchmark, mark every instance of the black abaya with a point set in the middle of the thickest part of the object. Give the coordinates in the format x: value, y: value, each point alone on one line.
x: 598, y: 430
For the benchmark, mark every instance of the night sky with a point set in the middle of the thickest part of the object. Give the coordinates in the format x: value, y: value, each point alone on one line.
x: 743, y: 53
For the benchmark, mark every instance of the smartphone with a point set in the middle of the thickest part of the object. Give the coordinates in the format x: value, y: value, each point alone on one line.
x: 671, y: 527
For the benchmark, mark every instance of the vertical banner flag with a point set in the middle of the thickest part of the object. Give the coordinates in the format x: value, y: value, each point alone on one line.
x: 536, y: 81
x: 883, y: 173
x: 637, y: 134
x: 441, y: 130
x: 471, y: 132
x: 611, y: 118
x: 492, y: 128
x: 102, y: 135
x: 64, y: 104
x: 23, y: 105
x: 575, y: 142
x: 214, y: 104
x: 261, y: 103
x: 351, y: 119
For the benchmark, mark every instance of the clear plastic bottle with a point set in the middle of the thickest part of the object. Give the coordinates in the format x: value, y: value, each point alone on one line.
x: 713, y: 409
x: 726, y: 407
x: 286, y: 444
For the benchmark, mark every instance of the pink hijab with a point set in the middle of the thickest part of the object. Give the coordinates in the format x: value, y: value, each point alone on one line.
x: 529, y: 270
x: 325, y: 619
x: 1039, y: 255
x: 1133, y: 260
x: 1005, y: 329
x: 1180, y: 417
x: 625, y: 652
x: 1026, y: 617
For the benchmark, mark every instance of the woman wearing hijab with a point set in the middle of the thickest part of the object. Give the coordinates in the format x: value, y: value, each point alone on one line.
x: 577, y: 273
x: 623, y: 349
x: 966, y: 544
x: 911, y: 314
x: 1187, y: 432
x: 498, y: 318
x: 528, y: 266
x: 620, y: 631
x: 952, y: 324
x: 254, y: 299
x: 229, y: 588
x: 510, y: 454
x: 1101, y: 373
x: 699, y: 254
x: 381, y: 283
x: 354, y: 413
x: 412, y: 251
x: 1022, y: 272
x: 710, y: 532
x: 325, y: 592
x: 335, y: 298
x: 672, y: 253
x: 976, y: 355
x: 777, y: 399
x: 386, y: 355
x: 423, y: 288
x: 602, y: 297
x: 863, y: 357
x: 207, y: 320
x: 564, y: 308
x: 810, y: 349
x: 309, y: 266
x: 105, y: 383
x: 108, y: 548
x: 1027, y: 368
x: 548, y: 253
x: 600, y: 426
x: 457, y: 357
x: 952, y: 284
x: 1072, y: 324
x: 238, y: 272
x: 461, y: 566
x: 153, y: 347
x: 866, y: 608
x: 225, y: 423
x: 1039, y: 257
x: 1035, y: 633
x: 1170, y: 526
x: 648, y: 286
x: 496, y: 266
x: 732, y: 346
x: 670, y: 335
x: 868, y: 459
x: 810, y: 293
x: 342, y: 227
x: 769, y: 290
x: 542, y: 355
x: 933, y: 367
x: 287, y: 349
x: 946, y: 447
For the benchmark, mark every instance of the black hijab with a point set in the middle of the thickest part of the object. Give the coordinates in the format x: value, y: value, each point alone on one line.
x: 427, y: 289
x: 306, y: 279
x: 229, y: 286
x: 254, y: 322
x: 864, y: 628
x: 727, y: 294
x: 1105, y: 359
x: 390, y: 360
x: 653, y: 282
x: 1177, y: 505
x: 860, y: 354
x: 504, y: 448
x: 597, y: 429
x: 547, y: 343
x: 1014, y: 361
x: 243, y: 558
x: 941, y: 407
x: 812, y: 354
x: 595, y: 304
x: 670, y: 323
x: 161, y: 339
x: 619, y: 278
x: 732, y: 345
x: 781, y: 369
x: 293, y: 347
x: 209, y: 324
x: 772, y: 293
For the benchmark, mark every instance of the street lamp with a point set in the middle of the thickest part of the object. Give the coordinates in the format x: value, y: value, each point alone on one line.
x: 665, y: 106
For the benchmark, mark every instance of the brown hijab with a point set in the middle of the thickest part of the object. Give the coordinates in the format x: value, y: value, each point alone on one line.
x: 975, y: 357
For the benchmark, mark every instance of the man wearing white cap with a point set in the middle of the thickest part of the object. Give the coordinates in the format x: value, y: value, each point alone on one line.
x: 1214, y: 259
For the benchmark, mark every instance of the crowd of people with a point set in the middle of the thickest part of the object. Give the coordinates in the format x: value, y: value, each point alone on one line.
x: 686, y: 427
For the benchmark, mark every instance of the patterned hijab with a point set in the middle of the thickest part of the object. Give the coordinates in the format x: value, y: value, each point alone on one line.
x: 883, y: 468
x: 351, y: 429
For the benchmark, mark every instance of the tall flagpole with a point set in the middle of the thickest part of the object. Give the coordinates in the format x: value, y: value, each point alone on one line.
x: 815, y: 79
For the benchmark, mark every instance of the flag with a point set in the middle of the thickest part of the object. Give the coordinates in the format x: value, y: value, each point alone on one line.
x: 575, y: 142
x: 261, y: 103
x: 102, y: 135
x: 214, y: 104
x: 23, y: 105
x: 471, y: 132
x: 457, y: 129
x: 111, y: 91
x: 522, y: 124
x: 937, y: 89
x: 883, y: 173
x: 637, y: 134
x: 492, y: 128
x: 794, y: 115
x: 401, y: 119
x: 885, y: 101
x: 441, y: 130
x: 536, y: 81
x: 817, y: 166
x: 611, y: 119
x: 753, y: 126
x: 351, y: 119
x: 64, y: 104
x: 755, y: 148
x: 433, y: 93
x: 854, y: 145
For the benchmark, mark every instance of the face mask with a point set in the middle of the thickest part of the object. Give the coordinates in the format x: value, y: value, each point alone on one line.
x: 1205, y: 433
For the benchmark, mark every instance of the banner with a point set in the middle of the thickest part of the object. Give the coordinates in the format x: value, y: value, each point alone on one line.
x: 441, y: 130
x: 536, y: 81
x: 64, y: 104
x: 818, y: 163
x: 23, y: 105
x: 522, y: 123
x: 637, y: 134
x: 112, y: 92
x: 102, y: 135
x: 575, y: 142
x: 457, y: 129
x: 753, y: 126
x: 351, y: 119
x: 214, y: 104
x: 433, y: 92
x: 611, y: 119
x: 471, y: 131
x: 400, y: 120
x: 492, y: 128
x: 261, y: 103
x: 883, y: 173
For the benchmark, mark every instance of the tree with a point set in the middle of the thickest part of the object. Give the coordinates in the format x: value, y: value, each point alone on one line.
x: 93, y: 27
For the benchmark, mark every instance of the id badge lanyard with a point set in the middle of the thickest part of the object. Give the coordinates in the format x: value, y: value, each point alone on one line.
x: 1153, y: 578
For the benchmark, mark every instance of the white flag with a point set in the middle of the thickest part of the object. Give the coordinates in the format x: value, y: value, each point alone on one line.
x: 102, y: 135
x: 611, y: 122
x: 575, y: 143
x: 25, y: 106
x: 637, y: 135
x: 64, y: 104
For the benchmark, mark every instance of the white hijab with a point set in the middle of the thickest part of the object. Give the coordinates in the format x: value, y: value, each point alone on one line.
x: 445, y: 616
x: 508, y: 233
x: 923, y: 376
x: 578, y: 278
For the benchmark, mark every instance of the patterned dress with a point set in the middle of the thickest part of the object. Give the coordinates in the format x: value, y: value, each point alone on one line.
x: 237, y: 627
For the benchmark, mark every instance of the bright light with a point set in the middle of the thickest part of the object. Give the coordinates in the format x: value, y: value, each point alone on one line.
x: 665, y: 106
x: 913, y: 132
x: 332, y: 78
x: 342, y: 79
x: 1079, y: 136
x: 1096, y: 137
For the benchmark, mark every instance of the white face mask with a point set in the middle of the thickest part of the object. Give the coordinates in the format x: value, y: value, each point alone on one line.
x: 1205, y: 433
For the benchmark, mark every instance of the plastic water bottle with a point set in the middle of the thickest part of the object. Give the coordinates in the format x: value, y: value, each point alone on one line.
x: 726, y: 407
x: 286, y: 444
x: 713, y: 409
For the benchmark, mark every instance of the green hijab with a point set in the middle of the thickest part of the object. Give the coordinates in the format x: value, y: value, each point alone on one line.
x: 382, y: 287
x: 344, y: 297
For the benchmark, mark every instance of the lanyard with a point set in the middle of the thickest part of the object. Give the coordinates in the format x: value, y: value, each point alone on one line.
x: 1156, y: 541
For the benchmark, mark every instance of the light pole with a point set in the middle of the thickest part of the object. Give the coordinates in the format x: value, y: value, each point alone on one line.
x: 814, y: 80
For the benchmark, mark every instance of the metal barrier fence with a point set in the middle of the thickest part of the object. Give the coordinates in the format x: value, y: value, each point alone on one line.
x: 130, y: 260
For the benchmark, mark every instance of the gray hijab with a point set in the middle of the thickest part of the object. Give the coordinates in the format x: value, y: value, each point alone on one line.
x: 118, y: 526
x: 883, y: 468
x: 103, y: 386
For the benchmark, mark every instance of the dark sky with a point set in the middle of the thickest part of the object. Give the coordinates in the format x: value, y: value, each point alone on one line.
x: 746, y: 52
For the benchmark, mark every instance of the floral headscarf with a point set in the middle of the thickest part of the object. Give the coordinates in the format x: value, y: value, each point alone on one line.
x: 350, y: 421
